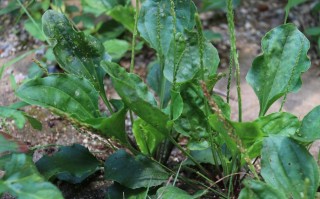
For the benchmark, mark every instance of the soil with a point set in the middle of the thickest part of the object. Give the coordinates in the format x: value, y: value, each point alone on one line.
x: 253, y: 20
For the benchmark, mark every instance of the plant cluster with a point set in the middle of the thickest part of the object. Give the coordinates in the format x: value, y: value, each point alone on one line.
x: 176, y: 101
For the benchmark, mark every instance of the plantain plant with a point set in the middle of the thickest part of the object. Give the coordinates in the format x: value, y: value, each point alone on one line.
x: 177, y: 101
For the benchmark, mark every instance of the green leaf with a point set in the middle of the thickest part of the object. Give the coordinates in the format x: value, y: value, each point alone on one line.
x: 22, y: 180
x: 154, y: 81
x: 116, y: 48
x: 118, y: 191
x: 191, y: 122
x: 223, y: 135
x: 259, y: 190
x: 177, y: 104
x: 36, y: 124
x: 16, y: 115
x: 310, y: 127
x: 124, y: 15
x: 314, y: 31
x: 75, y: 52
x: 171, y: 192
x: 212, y: 36
x: 155, y: 22
x: 134, y: 172
x: 277, y: 71
x: 12, y: 6
x: 289, y: 167
x: 291, y: 4
x: 113, y: 126
x: 33, y: 29
x: 203, y: 156
x: 136, y: 96
x: 65, y: 94
x: 147, y: 137
x: 71, y: 163
x: 253, y: 133
x: 186, y: 58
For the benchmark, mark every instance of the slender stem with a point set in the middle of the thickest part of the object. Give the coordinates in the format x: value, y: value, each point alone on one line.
x: 174, y: 32
x: 230, y: 189
x: 163, y: 82
x: 33, y: 21
x: 234, y: 53
x: 214, y: 150
x: 133, y: 45
x: 134, y: 35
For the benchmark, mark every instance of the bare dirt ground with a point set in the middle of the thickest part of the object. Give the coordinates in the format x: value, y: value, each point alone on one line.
x: 253, y: 20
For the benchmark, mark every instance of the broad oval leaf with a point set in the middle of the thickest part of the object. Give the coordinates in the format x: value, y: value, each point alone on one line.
x: 75, y: 52
x: 71, y: 163
x: 277, y: 71
x: 155, y: 23
x: 134, y: 172
x: 65, y: 94
x: 146, y: 136
x: 289, y: 167
x: 310, y: 127
x: 22, y: 180
x: 260, y: 190
x: 136, y: 96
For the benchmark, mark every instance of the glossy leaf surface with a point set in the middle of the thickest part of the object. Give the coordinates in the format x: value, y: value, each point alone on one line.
x: 22, y: 180
x: 259, y: 190
x: 146, y: 136
x: 66, y: 94
x: 136, y: 96
x: 75, y: 52
x: 155, y: 22
x: 71, y: 163
x: 277, y: 71
x: 289, y: 167
x: 134, y: 172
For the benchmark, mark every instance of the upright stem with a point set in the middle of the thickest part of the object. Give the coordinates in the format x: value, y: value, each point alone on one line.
x: 234, y: 53
x: 207, y: 110
x: 32, y: 20
x: 133, y: 45
x: 134, y: 35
